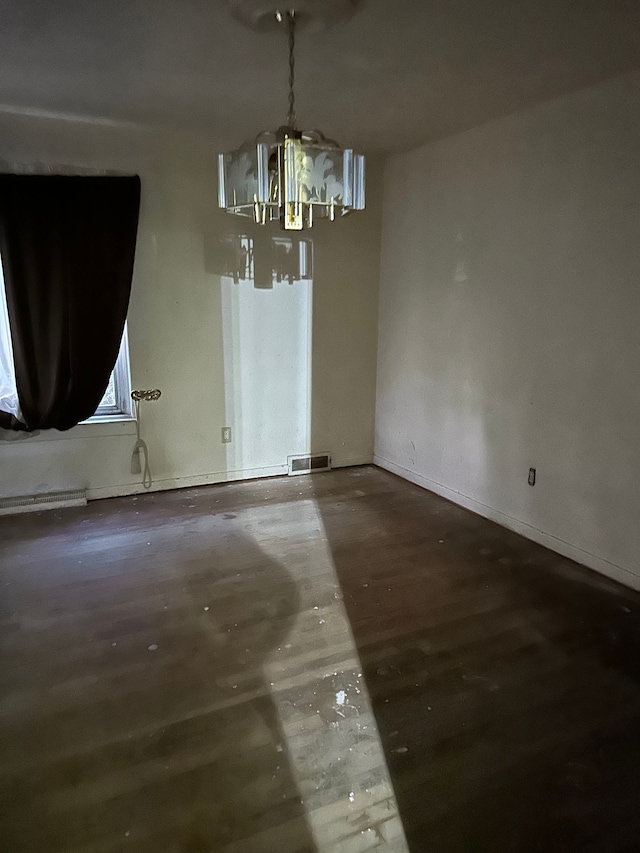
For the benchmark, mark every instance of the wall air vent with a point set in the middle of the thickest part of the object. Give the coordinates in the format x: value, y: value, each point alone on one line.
x: 309, y: 464
x: 47, y: 500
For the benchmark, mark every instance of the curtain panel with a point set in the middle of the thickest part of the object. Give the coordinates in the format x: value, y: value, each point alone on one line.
x: 67, y: 245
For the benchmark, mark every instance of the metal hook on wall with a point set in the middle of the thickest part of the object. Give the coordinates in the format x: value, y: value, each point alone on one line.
x: 140, y: 445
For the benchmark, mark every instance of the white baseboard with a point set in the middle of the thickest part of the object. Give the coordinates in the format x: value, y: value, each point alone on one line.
x: 351, y: 461
x: 186, y: 482
x: 212, y: 478
x: 554, y: 543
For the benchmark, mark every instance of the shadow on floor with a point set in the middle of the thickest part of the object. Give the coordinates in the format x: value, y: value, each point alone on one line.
x: 251, y: 795
x: 141, y: 719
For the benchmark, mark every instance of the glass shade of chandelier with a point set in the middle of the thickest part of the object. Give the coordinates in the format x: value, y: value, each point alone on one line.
x: 291, y: 176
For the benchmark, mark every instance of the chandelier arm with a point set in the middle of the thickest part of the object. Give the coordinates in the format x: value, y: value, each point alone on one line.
x: 291, y: 26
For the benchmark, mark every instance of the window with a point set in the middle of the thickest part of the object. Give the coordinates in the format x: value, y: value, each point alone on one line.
x: 116, y: 403
x: 8, y: 392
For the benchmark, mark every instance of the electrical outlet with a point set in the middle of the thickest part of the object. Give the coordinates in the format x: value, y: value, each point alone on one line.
x: 532, y: 477
x: 226, y: 435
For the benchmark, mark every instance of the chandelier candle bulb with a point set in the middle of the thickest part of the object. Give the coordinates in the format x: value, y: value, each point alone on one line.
x: 291, y: 176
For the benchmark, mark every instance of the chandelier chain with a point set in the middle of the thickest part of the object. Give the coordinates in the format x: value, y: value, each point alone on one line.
x: 291, y: 24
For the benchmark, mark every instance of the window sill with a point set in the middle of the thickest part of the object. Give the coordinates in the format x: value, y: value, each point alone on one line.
x: 109, y: 419
x: 102, y: 427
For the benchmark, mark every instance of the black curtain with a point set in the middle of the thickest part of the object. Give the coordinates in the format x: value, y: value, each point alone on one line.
x: 67, y: 245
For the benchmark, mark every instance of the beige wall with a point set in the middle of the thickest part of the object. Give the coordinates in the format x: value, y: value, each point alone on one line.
x: 509, y: 323
x: 290, y: 369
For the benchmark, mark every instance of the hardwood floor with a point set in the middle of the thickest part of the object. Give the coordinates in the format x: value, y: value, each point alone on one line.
x: 180, y: 674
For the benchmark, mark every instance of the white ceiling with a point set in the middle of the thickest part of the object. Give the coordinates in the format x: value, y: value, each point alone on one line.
x: 398, y: 74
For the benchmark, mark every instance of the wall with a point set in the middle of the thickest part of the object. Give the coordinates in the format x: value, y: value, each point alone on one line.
x: 291, y: 369
x: 508, y: 330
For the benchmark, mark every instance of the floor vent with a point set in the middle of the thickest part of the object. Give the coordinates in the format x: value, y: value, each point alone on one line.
x: 309, y: 464
x: 48, y: 500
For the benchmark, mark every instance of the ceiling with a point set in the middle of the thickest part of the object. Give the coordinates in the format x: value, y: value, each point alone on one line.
x: 399, y: 73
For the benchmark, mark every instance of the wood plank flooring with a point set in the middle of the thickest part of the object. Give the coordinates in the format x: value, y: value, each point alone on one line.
x: 258, y: 667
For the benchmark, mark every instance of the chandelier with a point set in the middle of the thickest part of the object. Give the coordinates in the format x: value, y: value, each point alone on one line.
x: 290, y: 175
